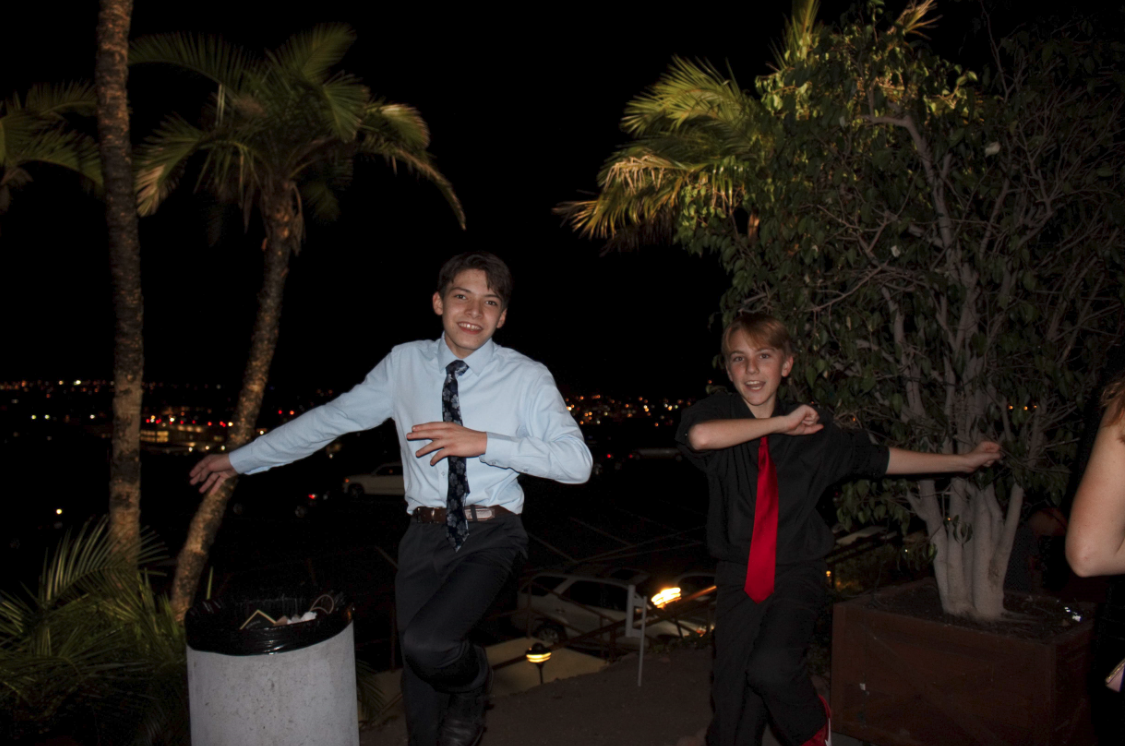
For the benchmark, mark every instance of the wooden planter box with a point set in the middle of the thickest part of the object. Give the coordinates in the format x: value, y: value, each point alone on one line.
x: 903, y: 681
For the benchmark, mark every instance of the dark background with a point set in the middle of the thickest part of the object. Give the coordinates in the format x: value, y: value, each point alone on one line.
x: 524, y: 108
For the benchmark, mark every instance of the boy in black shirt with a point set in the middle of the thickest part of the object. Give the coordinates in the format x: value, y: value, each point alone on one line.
x: 763, y: 528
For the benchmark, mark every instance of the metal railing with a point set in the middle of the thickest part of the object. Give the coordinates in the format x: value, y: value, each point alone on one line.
x: 697, y: 601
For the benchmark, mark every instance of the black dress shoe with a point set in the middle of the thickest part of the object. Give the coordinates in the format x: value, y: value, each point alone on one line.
x: 464, y: 718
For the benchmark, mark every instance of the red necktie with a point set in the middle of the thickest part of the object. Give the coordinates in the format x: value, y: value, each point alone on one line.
x: 763, y: 544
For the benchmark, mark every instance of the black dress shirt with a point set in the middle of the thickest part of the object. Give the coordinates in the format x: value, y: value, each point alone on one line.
x: 807, y: 465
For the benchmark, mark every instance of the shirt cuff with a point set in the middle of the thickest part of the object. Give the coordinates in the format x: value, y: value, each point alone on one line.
x: 500, y: 450
x: 237, y: 460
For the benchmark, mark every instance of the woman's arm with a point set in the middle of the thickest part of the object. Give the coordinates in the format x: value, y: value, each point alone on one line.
x: 1095, y: 540
x: 715, y: 434
x: 914, y: 462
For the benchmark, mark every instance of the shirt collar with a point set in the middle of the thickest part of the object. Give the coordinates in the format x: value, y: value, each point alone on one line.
x: 477, y: 361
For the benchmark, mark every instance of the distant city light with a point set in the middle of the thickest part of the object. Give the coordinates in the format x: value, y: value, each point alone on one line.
x: 58, y: 511
x: 77, y: 383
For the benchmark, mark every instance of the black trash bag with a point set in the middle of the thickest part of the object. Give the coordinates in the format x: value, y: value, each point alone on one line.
x: 232, y: 627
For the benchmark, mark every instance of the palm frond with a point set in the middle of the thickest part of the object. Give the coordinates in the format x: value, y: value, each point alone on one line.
x: 207, y: 55
x: 56, y: 99
x: 160, y: 160
x: 799, y: 33
x: 688, y: 92
x: 345, y: 102
x: 68, y: 149
x: 283, y: 127
x: 92, y: 636
x: 371, y: 699
x: 320, y: 200
x: 420, y: 165
x: 917, y: 17
x: 398, y: 122
x: 311, y: 54
x: 35, y: 130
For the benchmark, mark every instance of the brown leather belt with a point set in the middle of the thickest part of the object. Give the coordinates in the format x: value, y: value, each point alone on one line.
x: 472, y: 512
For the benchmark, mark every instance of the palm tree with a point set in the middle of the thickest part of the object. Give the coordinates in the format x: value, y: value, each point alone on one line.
x: 279, y: 137
x: 93, y: 644
x: 35, y: 130
x: 695, y: 131
x: 111, y: 72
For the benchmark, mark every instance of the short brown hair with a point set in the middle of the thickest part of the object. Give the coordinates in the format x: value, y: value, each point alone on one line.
x: 761, y: 329
x: 498, y: 275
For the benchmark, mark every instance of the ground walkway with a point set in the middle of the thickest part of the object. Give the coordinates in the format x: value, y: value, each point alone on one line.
x: 601, y: 708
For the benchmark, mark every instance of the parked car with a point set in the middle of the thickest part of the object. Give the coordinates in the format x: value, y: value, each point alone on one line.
x: 586, y: 598
x: 385, y: 480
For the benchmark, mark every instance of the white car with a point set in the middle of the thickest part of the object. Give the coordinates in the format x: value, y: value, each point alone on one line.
x: 587, y: 598
x: 386, y: 480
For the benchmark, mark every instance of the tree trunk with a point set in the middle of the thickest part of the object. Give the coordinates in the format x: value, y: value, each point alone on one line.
x: 110, y: 76
x: 278, y: 245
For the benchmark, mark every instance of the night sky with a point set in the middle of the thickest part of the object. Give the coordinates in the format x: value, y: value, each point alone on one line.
x: 523, y: 109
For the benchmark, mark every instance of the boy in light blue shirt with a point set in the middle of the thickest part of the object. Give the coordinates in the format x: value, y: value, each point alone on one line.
x: 470, y: 416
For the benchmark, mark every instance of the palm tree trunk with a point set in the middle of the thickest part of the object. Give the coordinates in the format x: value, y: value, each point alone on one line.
x: 110, y: 76
x: 278, y: 245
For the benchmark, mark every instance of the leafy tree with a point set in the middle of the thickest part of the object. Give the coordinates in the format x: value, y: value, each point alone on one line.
x: 36, y: 130
x: 949, y: 247
x: 111, y: 72
x: 279, y: 137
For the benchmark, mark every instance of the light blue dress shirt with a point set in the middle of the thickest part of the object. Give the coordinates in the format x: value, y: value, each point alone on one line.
x: 503, y: 393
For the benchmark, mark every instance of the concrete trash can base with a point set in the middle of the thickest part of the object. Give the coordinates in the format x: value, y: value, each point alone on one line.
x: 297, y: 697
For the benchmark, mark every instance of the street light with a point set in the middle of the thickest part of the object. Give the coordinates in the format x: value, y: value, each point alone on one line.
x: 665, y: 597
x: 539, y: 654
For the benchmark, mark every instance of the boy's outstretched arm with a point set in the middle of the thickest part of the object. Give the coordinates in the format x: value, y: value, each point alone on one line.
x: 914, y: 462
x: 715, y: 434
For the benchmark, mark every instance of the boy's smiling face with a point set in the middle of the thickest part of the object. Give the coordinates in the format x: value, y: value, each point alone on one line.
x: 756, y: 372
x: 470, y: 312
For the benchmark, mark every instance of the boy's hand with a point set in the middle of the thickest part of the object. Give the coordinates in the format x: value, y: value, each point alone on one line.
x: 212, y: 470
x: 986, y: 453
x: 804, y: 420
x: 448, y: 439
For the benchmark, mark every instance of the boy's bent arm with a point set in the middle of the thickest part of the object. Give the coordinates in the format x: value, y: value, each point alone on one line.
x: 1095, y: 540
x: 548, y: 443
x: 713, y: 435
x: 903, y: 461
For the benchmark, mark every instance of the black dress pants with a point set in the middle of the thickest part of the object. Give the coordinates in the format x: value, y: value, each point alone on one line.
x: 440, y: 595
x: 760, y: 672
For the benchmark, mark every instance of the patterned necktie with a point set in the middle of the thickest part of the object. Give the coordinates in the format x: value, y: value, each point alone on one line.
x: 455, y: 522
x: 761, y: 568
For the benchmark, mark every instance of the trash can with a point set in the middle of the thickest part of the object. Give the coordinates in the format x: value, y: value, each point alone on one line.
x: 254, y: 683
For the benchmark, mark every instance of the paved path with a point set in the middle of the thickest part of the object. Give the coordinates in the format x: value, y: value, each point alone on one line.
x: 606, y: 707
